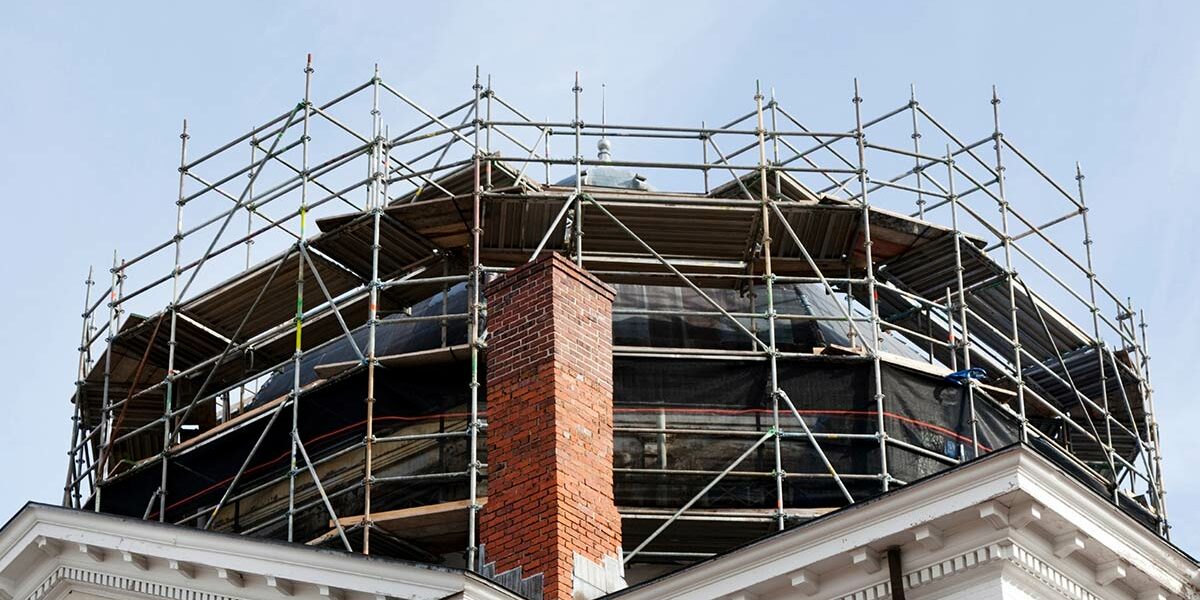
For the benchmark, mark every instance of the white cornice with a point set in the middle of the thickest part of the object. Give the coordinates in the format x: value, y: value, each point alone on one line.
x: 1105, y: 524
x: 1004, y: 554
x: 837, y: 532
x: 985, y: 488
x: 183, y: 556
x: 934, y: 573
x: 1050, y: 576
x: 135, y: 585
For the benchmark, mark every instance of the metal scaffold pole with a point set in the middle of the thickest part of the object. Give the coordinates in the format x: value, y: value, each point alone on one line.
x: 249, y: 241
x: 916, y: 143
x: 1097, y: 341
x: 964, y: 342
x: 1010, y: 272
x: 473, y: 339
x: 293, y: 468
x: 79, y: 430
x: 114, y: 317
x: 872, y: 295
x: 577, y: 207
x: 375, y: 204
x: 171, y: 388
x: 487, y: 131
x: 778, y: 310
x: 769, y: 284
x: 250, y: 194
x: 1152, y: 428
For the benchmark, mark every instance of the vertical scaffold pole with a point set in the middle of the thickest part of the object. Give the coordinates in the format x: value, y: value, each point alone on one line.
x: 250, y: 195
x: 249, y: 243
x: 1127, y: 326
x: 71, y: 495
x: 293, y: 467
x: 876, y: 368
x: 169, y: 397
x: 769, y: 284
x: 68, y: 497
x: 1010, y: 273
x: 375, y: 203
x: 475, y: 283
x: 113, y: 318
x: 1152, y: 428
x: 776, y: 175
x: 85, y: 464
x: 487, y: 132
x: 953, y: 337
x: 373, y: 162
x: 965, y: 339
x: 916, y: 140
x: 546, y: 150
x: 1097, y: 342
x: 577, y: 217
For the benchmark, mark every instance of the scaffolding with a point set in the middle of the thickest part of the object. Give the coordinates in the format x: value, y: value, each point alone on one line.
x: 463, y: 194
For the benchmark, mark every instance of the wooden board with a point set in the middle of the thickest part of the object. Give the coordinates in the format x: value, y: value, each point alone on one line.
x: 433, y: 520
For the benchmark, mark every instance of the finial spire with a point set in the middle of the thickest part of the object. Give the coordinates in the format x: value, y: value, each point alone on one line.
x: 603, y: 107
x: 603, y: 147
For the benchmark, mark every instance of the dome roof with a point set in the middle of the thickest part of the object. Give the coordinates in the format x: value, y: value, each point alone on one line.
x: 609, y: 177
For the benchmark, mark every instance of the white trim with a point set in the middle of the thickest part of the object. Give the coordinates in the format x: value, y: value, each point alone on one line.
x: 1001, y: 552
x: 173, y: 556
x: 983, y: 489
x: 937, y: 572
x: 839, y: 532
x: 1105, y: 524
x: 65, y: 573
x: 1049, y: 576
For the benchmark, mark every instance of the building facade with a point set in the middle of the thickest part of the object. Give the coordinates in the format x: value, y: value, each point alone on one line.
x: 1008, y: 526
x: 495, y: 367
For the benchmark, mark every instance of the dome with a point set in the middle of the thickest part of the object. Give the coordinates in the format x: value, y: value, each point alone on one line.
x: 606, y: 176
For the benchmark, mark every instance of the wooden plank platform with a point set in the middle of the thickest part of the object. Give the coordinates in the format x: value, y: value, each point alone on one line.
x: 223, y: 308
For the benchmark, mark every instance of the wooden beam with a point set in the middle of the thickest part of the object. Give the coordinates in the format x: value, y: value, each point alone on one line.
x: 409, y: 514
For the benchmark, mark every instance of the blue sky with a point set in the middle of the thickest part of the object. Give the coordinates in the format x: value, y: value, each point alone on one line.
x: 93, y: 95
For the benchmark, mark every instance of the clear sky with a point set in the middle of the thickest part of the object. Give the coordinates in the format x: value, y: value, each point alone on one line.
x: 92, y: 95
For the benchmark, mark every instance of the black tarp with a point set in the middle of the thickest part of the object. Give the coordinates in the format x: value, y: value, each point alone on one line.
x: 728, y: 398
x: 396, y: 335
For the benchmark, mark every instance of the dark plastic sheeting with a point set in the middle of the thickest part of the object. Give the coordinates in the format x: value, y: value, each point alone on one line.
x: 833, y: 394
x: 394, y: 335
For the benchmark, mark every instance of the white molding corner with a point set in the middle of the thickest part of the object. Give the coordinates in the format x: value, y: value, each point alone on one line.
x: 994, y: 513
x: 805, y: 582
x: 929, y: 537
x: 866, y: 559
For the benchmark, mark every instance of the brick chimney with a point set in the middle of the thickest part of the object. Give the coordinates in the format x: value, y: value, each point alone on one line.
x: 550, y: 512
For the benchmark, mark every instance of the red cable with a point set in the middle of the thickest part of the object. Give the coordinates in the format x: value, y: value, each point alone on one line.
x: 715, y: 411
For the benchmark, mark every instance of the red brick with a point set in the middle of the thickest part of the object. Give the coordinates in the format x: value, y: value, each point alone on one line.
x: 549, y: 365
